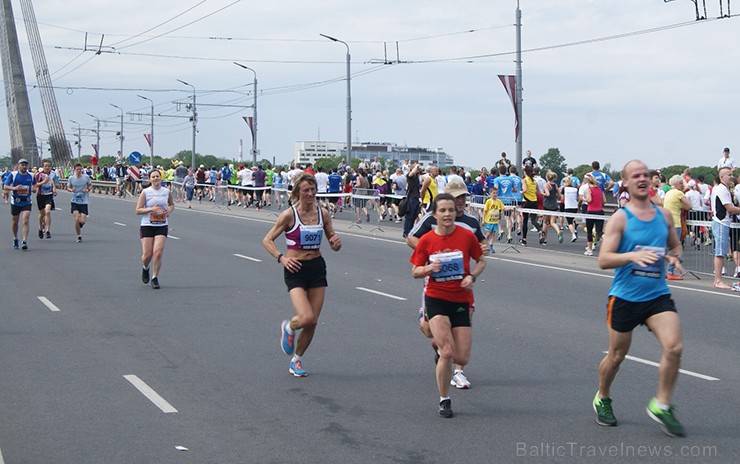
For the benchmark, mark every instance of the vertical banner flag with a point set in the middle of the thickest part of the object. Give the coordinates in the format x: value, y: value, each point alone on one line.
x: 148, y: 138
x: 249, y: 120
x: 509, y: 83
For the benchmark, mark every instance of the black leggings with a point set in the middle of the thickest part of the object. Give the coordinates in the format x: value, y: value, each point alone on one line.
x: 529, y: 205
x: 590, y: 226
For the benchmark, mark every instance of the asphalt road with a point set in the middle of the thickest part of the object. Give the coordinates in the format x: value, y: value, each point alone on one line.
x: 206, y: 345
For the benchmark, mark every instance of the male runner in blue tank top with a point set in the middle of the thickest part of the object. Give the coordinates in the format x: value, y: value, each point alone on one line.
x: 638, y: 239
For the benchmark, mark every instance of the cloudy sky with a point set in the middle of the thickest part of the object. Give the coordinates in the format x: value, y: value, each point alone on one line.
x: 668, y: 95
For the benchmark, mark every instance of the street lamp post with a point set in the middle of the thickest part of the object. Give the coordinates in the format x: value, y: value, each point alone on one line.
x: 151, y: 132
x: 121, y: 132
x: 349, y: 99
x: 254, y: 114
x: 195, y: 121
x: 97, y: 132
x: 79, y: 139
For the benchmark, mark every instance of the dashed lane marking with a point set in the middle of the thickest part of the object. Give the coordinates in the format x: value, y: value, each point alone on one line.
x: 52, y: 307
x: 150, y: 394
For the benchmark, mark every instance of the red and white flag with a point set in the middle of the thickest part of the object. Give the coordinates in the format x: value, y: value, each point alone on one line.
x: 250, y: 122
x: 148, y: 138
x: 509, y: 83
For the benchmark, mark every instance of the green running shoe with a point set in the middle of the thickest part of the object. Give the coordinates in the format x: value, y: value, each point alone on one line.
x: 668, y: 422
x: 604, y: 413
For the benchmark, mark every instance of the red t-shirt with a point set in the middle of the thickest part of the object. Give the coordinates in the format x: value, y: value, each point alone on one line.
x: 454, y: 251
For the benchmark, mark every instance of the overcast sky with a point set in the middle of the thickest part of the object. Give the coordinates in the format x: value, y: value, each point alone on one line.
x: 668, y: 97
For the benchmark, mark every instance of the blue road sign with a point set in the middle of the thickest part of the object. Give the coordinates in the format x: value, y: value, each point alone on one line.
x: 135, y: 157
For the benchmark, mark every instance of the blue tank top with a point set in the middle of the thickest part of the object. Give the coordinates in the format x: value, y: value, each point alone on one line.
x: 636, y: 283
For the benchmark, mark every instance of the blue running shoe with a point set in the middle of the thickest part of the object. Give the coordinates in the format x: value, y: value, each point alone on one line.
x: 15, y: 243
x: 287, y: 340
x: 296, y: 368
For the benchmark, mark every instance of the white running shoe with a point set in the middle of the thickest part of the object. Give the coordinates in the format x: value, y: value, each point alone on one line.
x: 460, y: 381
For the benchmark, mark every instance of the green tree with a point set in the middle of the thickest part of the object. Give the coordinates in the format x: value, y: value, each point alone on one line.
x: 581, y: 170
x: 670, y: 171
x: 329, y: 162
x: 553, y: 161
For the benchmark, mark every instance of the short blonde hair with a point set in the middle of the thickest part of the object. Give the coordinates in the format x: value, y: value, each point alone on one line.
x: 675, y: 180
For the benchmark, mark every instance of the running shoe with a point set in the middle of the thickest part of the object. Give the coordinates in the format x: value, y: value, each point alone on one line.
x: 155, y: 283
x: 523, y: 242
x: 445, y: 409
x: 15, y: 243
x: 367, y: 217
x: 145, y: 275
x: 287, y: 340
x: 24, y: 245
x: 48, y: 234
x: 560, y: 237
x: 668, y: 422
x: 574, y: 238
x: 673, y: 277
x: 588, y: 253
x: 604, y: 412
x: 500, y: 236
x: 493, y: 251
x: 460, y: 381
x: 736, y: 287
x: 41, y: 234
x: 79, y: 239
x: 296, y: 368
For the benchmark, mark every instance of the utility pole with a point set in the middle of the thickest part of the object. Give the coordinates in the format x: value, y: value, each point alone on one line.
x: 120, y: 134
x: 79, y: 139
x: 151, y: 133
x: 97, y: 134
x: 519, y: 87
x: 254, y: 114
x: 349, y: 99
x: 195, y: 121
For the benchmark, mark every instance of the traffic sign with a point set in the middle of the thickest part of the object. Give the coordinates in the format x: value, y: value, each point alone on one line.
x: 135, y: 157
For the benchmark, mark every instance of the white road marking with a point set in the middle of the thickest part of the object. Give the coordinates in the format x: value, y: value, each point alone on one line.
x: 381, y: 293
x: 49, y: 305
x: 120, y: 224
x: 1, y: 457
x: 150, y: 394
x: 248, y: 257
x: 654, y: 364
x: 173, y: 237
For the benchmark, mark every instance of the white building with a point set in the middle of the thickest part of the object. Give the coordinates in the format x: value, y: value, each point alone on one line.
x: 310, y: 152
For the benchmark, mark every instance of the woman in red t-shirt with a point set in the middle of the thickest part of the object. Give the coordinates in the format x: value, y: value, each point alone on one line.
x: 444, y: 255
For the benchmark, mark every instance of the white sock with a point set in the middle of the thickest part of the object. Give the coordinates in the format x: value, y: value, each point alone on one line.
x: 457, y: 371
x: 296, y: 358
x: 442, y: 398
x: 664, y: 407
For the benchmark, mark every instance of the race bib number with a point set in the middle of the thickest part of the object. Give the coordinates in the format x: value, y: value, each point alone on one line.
x: 158, y: 218
x: 452, y: 266
x: 78, y: 197
x: 493, y: 216
x: 653, y: 271
x: 311, y: 237
x: 22, y: 190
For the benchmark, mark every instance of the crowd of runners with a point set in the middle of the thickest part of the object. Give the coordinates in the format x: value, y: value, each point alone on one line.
x: 642, y: 241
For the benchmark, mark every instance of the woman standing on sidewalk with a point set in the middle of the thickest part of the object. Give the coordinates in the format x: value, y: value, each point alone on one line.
x: 304, y: 225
